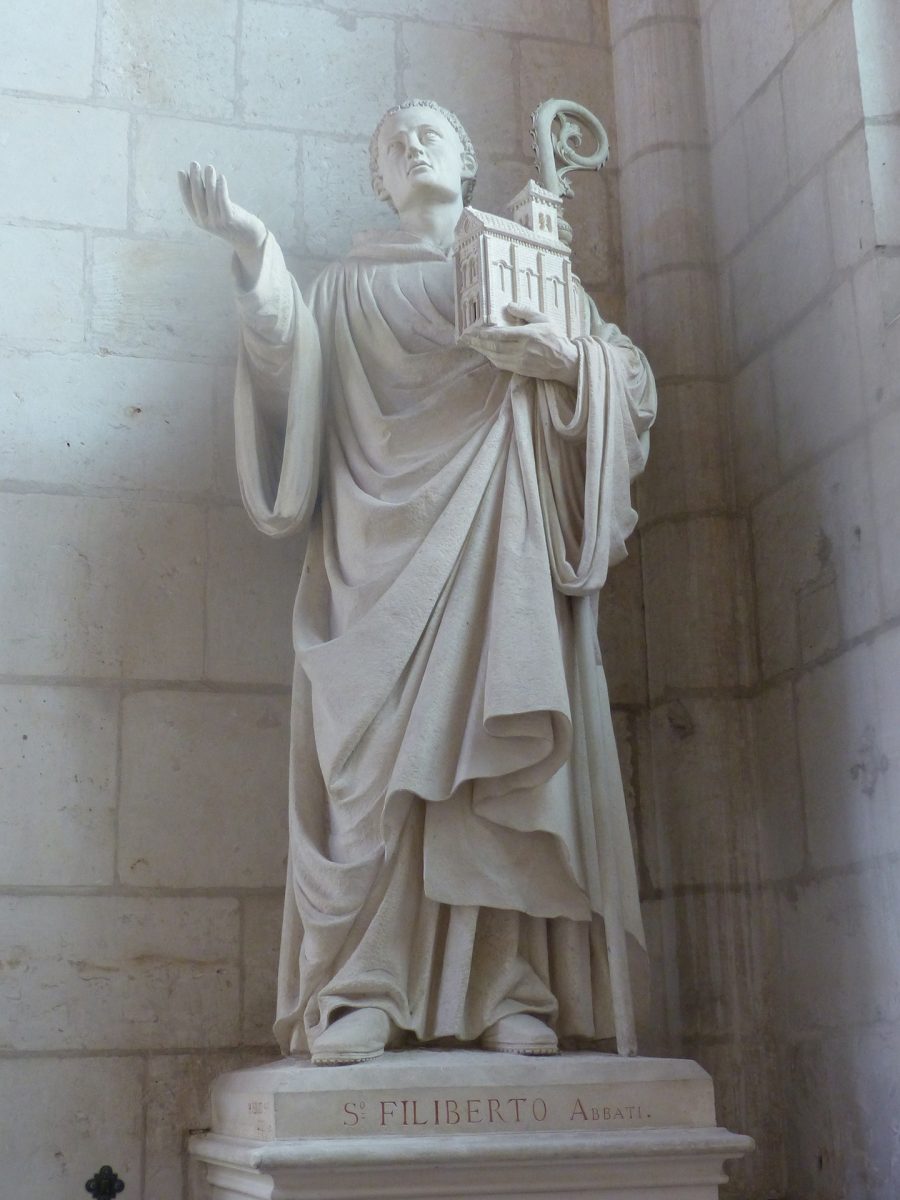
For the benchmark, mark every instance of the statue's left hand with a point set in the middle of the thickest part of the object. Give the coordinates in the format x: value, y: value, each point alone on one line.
x: 533, y: 349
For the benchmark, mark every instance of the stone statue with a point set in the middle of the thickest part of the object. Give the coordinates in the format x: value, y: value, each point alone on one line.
x: 452, y: 754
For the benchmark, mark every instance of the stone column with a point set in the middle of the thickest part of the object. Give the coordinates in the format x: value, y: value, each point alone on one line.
x: 701, y: 662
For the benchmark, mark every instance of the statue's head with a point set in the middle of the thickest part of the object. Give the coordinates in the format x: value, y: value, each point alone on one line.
x: 419, y: 147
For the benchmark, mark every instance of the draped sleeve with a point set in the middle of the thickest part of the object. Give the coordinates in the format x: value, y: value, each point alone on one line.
x: 278, y: 399
x: 588, y: 451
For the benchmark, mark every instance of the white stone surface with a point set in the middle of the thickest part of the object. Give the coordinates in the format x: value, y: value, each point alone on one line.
x: 889, y: 278
x: 63, y: 1118
x: 49, y: 47
x: 594, y: 213
x: 261, y: 927
x: 153, y: 65
x: 681, y: 1164
x: 840, y: 1148
x: 885, y: 452
x: 689, y: 430
x: 47, y: 174
x: 261, y: 167
x: 658, y: 98
x: 754, y: 440
x: 815, y: 561
x: 47, y: 305
x: 886, y: 651
x: 630, y: 739
x: 481, y: 1125
x: 625, y: 14
x: 499, y: 179
x: 663, y: 207
x: 582, y: 72
x: 621, y: 620
x: 881, y: 382
x: 341, y: 169
x: 840, y: 952
x: 170, y: 57
x: 309, y: 51
x: 727, y: 941
x: 702, y: 759
x: 850, y: 202
x: 155, y: 298
x: 730, y: 181
x: 745, y: 52
x: 737, y: 58
x: 780, y: 795
x: 361, y: 730
x: 225, y: 471
x: 846, y: 735
x: 675, y: 317
x: 817, y: 374
x: 190, y: 762
x: 83, y: 421
x: 821, y: 91
x: 884, y: 159
x: 697, y: 593
x: 781, y: 269
x: 116, y: 589
x: 877, y: 28
x: 115, y: 973
x: 766, y: 148
x: 570, y: 18
x: 293, y: 1099
x: 176, y: 1104
x: 445, y: 66
x: 249, y: 601
x: 753, y: 1101
x: 807, y: 12
x: 57, y: 787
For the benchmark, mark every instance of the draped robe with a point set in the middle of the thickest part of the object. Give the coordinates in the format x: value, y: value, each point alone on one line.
x: 443, y: 820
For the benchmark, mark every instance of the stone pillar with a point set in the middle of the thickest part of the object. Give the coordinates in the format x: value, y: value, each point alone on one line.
x: 695, y: 556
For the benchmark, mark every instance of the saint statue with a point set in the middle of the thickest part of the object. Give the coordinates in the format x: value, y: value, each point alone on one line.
x: 451, y: 742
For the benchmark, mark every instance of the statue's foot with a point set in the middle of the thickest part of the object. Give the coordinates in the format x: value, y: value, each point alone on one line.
x: 360, y: 1035
x: 520, y: 1034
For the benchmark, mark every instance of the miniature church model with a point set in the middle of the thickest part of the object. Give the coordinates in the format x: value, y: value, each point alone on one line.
x: 518, y: 259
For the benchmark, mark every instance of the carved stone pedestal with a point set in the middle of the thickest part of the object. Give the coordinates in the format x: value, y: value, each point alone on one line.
x: 450, y: 1124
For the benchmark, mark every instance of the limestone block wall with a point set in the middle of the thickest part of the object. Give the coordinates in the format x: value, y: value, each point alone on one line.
x: 803, y: 104
x: 145, y: 655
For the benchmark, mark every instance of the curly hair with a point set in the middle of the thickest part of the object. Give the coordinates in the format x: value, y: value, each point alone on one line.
x: 468, y: 185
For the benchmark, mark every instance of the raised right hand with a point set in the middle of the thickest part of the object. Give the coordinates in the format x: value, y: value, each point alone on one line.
x: 205, y: 195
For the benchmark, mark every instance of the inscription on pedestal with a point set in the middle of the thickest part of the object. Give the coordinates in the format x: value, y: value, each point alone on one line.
x: 436, y: 1094
x: 471, y: 1111
x: 457, y: 1111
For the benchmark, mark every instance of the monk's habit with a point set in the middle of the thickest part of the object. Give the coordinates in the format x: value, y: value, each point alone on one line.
x: 444, y: 822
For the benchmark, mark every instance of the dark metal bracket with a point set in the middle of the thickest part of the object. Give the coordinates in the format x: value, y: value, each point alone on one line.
x: 105, y: 1185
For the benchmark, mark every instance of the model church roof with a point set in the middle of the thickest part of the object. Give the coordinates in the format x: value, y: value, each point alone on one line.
x: 474, y: 220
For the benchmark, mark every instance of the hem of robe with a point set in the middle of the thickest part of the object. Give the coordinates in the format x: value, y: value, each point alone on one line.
x: 441, y: 970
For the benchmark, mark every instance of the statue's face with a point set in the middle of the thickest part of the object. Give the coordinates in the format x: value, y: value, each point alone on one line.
x: 421, y: 158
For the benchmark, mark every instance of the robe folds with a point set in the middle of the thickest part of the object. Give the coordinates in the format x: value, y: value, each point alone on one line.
x: 443, y: 820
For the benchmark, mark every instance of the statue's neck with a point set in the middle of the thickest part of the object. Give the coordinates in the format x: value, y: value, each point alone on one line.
x: 435, y: 223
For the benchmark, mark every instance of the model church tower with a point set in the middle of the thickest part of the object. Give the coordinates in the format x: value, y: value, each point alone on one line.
x: 518, y: 259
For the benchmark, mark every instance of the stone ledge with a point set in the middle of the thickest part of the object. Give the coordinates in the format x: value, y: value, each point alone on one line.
x: 652, y: 1164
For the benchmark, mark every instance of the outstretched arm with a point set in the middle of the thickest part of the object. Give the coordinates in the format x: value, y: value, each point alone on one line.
x: 278, y: 391
x: 205, y: 195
